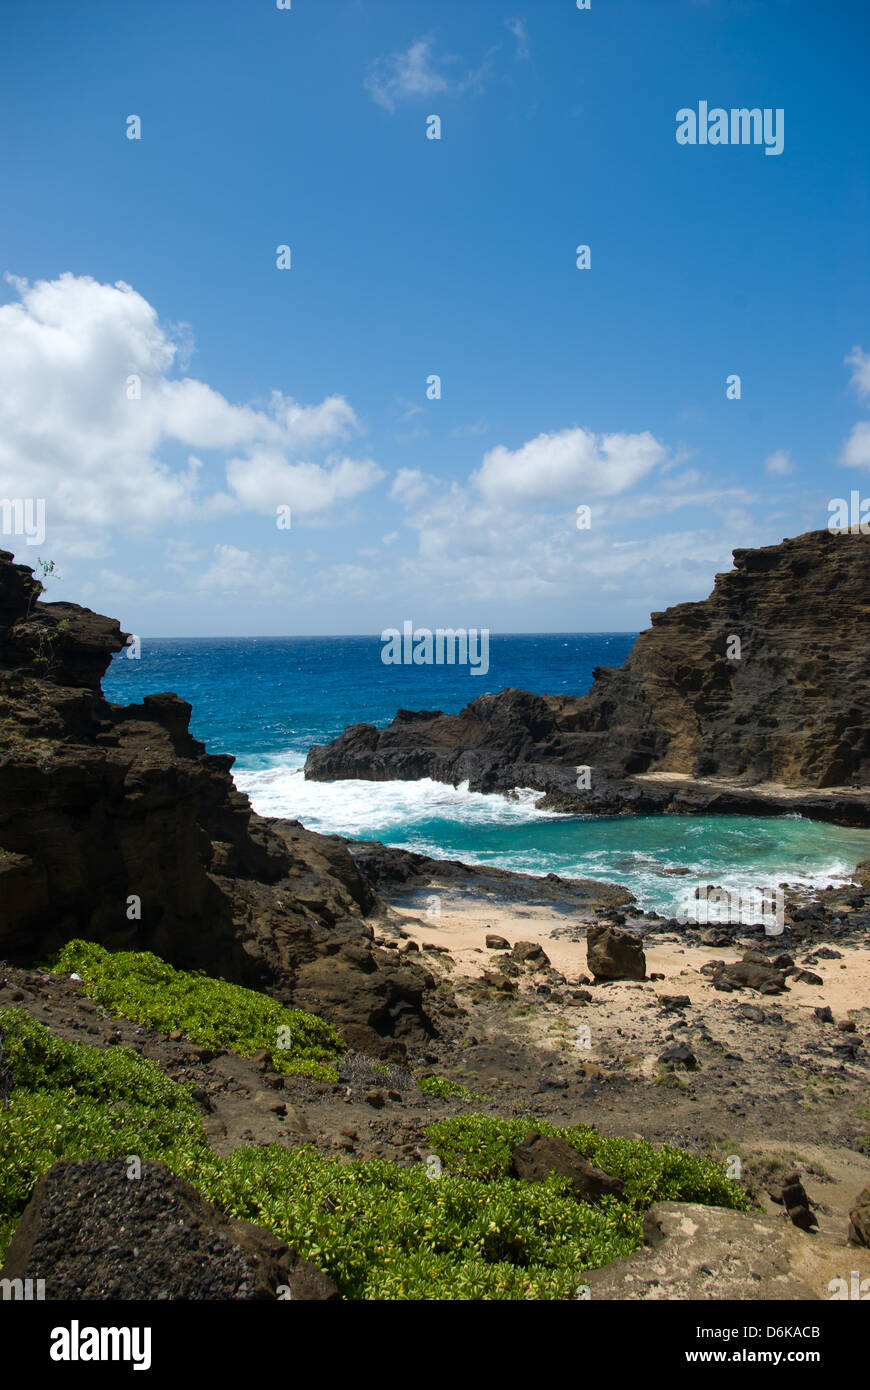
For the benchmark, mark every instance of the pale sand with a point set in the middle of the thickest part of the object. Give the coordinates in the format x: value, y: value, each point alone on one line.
x: 462, y: 927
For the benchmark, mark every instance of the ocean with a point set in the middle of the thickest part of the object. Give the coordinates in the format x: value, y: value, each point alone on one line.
x: 268, y: 699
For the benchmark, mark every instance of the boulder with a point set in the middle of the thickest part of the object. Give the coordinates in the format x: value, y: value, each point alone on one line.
x: 702, y: 1254
x: 539, y: 1156
x: 531, y: 954
x: 679, y: 1055
x: 744, y: 974
x: 92, y: 1232
x: 859, y: 1219
x: 614, y: 954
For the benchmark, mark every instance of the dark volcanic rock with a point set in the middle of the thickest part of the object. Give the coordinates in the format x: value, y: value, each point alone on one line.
x: 743, y: 974
x: 117, y: 826
x: 679, y: 1055
x: 792, y: 1194
x: 395, y: 872
x: 538, y: 1156
x: 613, y: 954
x: 793, y: 709
x: 859, y: 1219
x: 93, y: 1233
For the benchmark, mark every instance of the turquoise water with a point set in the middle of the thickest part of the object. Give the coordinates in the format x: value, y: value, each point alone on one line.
x: 267, y: 700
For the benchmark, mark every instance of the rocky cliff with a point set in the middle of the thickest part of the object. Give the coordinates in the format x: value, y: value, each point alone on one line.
x: 756, y: 699
x: 117, y: 826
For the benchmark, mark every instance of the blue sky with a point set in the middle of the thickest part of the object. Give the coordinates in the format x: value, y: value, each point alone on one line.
x: 307, y: 387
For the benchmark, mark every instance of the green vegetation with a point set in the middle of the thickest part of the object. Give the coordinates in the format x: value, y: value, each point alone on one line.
x: 68, y: 1100
x: 442, y: 1088
x: 381, y: 1231
x: 210, y: 1012
x: 386, y: 1232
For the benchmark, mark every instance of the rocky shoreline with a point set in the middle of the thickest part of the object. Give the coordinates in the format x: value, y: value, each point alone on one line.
x: 752, y: 702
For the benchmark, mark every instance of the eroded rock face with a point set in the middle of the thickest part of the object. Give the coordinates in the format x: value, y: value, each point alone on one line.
x: 91, y: 1232
x: 696, y: 1253
x: 101, y: 804
x: 792, y: 708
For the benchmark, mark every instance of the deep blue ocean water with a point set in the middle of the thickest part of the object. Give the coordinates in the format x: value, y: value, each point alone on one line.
x: 268, y: 699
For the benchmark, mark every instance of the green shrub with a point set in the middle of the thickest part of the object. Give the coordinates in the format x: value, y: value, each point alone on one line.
x: 213, y: 1013
x: 69, y: 1100
x: 382, y: 1231
x: 441, y: 1087
x: 480, y: 1146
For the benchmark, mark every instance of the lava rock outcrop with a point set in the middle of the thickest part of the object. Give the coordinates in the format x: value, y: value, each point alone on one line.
x: 755, y: 701
x: 117, y: 826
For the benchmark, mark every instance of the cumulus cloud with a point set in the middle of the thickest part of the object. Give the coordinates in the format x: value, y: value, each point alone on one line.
x: 89, y: 412
x: 779, y: 464
x: 415, y: 73
x: 571, y: 463
x: 410, y: 486
x: 856, y: 450
x: 265, y: 480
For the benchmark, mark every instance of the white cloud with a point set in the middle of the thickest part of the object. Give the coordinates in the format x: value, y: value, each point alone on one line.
x: 569, y: 464
x: 69, y: 432
x: 779, y: 464
x: 415, y: 73
x: 265, y: 480
x: 410, y: 486
x: 855, y: 453
x: 859, y: 360
x: 856, y: 450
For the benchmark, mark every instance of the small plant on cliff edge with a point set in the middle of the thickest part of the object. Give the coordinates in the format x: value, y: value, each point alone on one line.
x: 45, y: 644
x: 37, y: 586
x: 213, y: 1013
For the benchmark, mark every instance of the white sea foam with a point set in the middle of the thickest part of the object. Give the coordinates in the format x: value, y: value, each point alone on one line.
x: 350, y: 807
